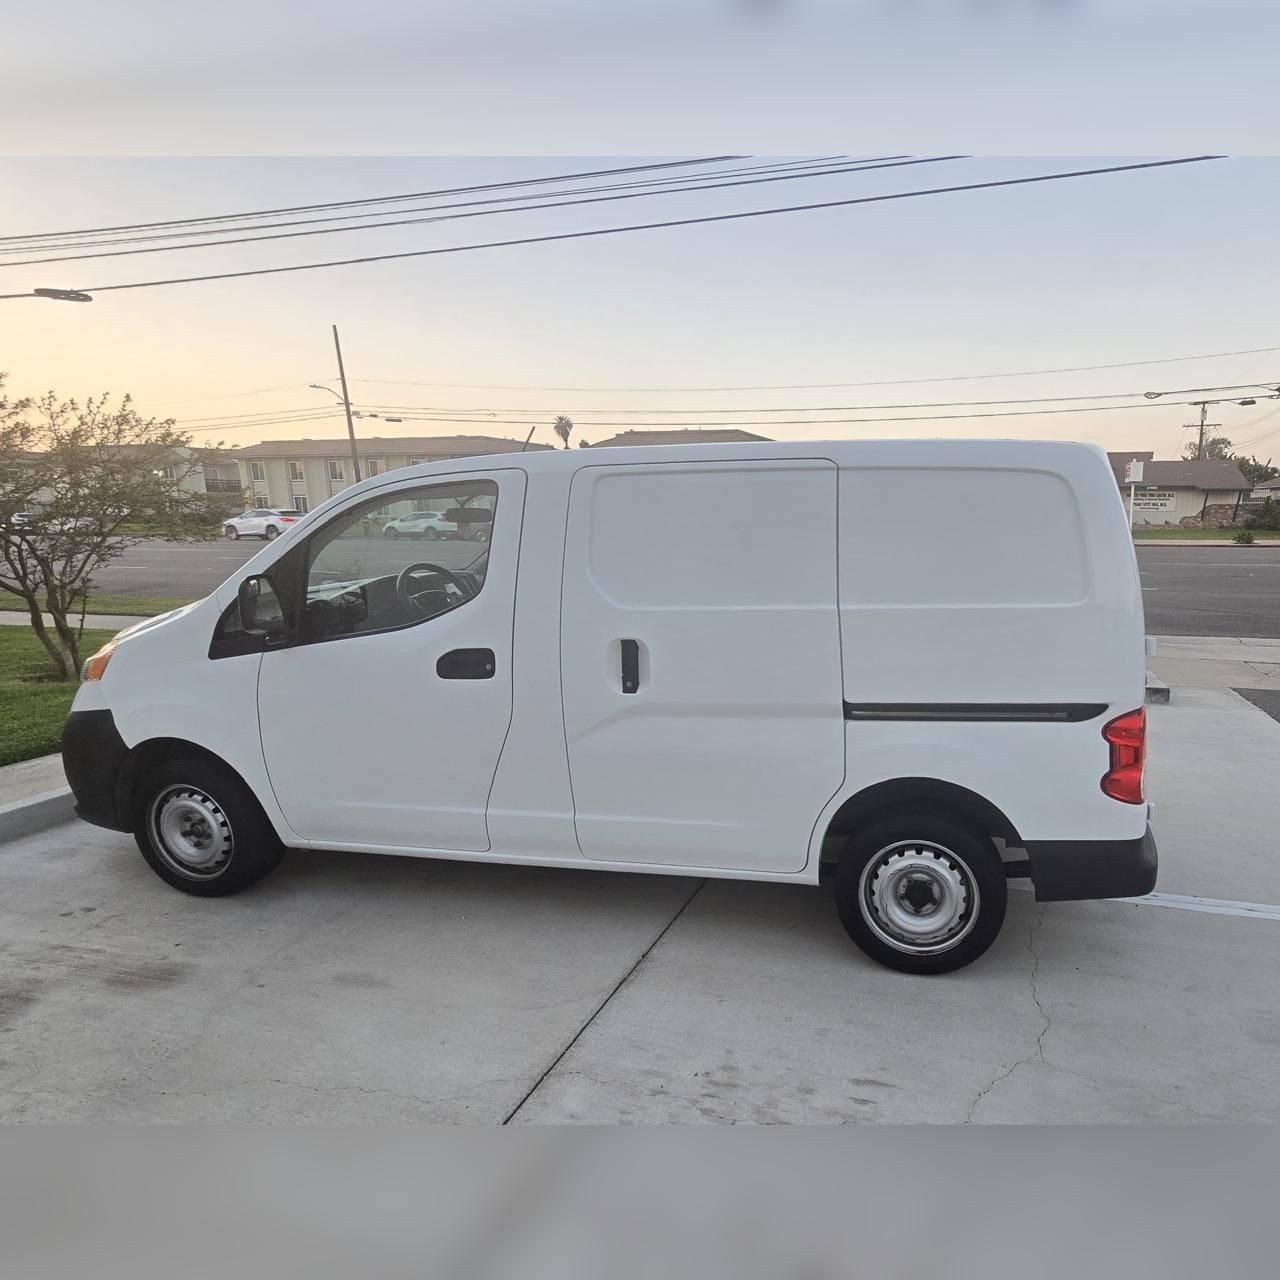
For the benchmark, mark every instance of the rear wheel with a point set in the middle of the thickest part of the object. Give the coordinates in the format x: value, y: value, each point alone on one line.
x: 430, y: 534
x: 923, y: 894
x: 481, y: 535
x: 201, y: 829
x: 272, y: 533
x: 231, y: 532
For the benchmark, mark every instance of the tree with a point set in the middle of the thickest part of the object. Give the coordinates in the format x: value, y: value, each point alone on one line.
x: 1219, y: 449
x: 1256, y: 472
x: 71, y: 474
x: 1216, y: 449
x: 562, y: 426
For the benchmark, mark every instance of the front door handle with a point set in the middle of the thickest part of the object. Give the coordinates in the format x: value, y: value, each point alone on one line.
x: 466, y: 664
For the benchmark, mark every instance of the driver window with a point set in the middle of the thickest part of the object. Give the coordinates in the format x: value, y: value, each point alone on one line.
x: 401, y: 559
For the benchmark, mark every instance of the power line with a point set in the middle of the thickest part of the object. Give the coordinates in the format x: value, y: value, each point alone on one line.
x: 477, y: 213
x: 815, y: 422
x: 409, y: 195
x: 835, y: 408
x: 675, y: 182
x: 826, y: 386
x: 643, y: 226
x: 449, y: 414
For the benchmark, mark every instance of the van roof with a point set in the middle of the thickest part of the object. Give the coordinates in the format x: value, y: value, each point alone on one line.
x: 1044, y: 455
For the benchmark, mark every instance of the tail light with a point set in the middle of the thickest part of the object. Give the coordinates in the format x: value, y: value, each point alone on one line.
x: 287, y: 519
x: 1127, y: 737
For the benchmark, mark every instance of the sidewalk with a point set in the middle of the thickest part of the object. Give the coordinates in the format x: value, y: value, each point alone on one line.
x: 1204, y: 542
x: 103, y: 621
x: 1216, y: 662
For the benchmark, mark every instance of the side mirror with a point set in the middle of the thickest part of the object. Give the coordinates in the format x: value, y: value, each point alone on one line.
x: 260, y: 611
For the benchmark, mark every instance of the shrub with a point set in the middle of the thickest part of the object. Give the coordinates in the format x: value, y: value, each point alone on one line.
x: 1244, y: 537
x: 1266, y: 516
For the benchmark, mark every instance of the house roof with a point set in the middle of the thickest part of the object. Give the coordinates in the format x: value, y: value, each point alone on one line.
x: 424, y: 447
x: 684, y: 435
x: 1269, y: 484
x: 1194, y: 475
x: 1179, y: 474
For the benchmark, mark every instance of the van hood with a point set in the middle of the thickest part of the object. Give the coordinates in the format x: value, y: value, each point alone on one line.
x: 149, y: 624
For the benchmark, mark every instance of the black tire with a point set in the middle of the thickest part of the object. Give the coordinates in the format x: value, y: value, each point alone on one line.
x: 232, y: 533
x: 481, y: 535
x: 244, y: 846
x: 932, y: 865
x: 391, y: 533
x: 430, y: 534
x: 272, y: 533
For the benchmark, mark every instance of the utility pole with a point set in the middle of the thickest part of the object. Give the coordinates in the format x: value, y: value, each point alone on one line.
x: 1204, y: 413
x: 346, y: 404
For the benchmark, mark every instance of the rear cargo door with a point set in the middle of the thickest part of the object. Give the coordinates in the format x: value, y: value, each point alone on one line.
x: 700, y: 661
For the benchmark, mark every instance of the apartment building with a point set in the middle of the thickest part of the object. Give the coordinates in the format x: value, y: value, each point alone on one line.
x: 304, y: 473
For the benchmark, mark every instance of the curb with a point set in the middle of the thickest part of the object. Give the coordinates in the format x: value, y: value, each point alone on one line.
x: 36, y: 813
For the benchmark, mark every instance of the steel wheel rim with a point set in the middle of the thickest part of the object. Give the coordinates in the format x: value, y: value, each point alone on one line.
x: 919, y: 897
x: 190, y: 832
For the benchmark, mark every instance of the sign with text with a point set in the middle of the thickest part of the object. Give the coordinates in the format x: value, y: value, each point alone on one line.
x: 1133, y: 472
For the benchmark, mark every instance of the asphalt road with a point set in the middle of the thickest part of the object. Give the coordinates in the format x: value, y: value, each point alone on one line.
x: 1188, y: 591
x: 1211, y: 591
x: 159, y: 568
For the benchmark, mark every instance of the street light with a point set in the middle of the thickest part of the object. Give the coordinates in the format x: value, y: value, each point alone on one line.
x: 63, y: 295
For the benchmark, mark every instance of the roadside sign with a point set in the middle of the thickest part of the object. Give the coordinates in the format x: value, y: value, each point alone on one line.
x: 1133, y: 472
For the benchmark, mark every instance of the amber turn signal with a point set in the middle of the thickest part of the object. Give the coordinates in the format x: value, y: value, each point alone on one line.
x: 96, y: 665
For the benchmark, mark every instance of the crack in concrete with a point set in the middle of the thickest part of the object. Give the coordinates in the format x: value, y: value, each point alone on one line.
x: 1037, y: 1055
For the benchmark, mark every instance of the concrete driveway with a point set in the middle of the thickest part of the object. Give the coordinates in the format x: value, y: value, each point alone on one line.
x: 354, y: 988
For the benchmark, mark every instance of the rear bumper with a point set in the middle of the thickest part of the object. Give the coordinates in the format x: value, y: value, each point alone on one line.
x: 1068, y: 870
x: 94, y: 755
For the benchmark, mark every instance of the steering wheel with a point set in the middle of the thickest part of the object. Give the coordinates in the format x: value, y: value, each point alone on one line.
x: 410, y: 598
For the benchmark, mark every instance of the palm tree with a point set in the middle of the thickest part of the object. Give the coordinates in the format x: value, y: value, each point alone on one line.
x: 562, y: 426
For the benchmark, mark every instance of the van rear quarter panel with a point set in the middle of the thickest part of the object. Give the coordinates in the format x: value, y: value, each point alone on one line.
x: 1000, y: 572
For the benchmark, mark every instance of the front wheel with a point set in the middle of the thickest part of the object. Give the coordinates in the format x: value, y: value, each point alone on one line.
x: 391, y: 533
x: 921, y: 894
x: 202, y: 830
x: 231, y: 533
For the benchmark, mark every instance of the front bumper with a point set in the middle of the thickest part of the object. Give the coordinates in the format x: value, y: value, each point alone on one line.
x: 1069, y: 870
x: 94, y: 756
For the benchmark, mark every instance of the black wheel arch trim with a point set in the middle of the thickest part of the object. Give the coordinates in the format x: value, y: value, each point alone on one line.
x: 922, y: 794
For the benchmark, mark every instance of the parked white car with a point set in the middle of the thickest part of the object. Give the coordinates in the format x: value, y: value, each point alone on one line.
x: 429, y: 525
x: 910, y: 712
x: 261, y: 522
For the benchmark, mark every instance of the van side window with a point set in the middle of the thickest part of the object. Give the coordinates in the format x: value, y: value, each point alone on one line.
x: 371, y: 570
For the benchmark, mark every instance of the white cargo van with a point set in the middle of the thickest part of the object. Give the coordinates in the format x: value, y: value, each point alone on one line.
x: 923, y: 674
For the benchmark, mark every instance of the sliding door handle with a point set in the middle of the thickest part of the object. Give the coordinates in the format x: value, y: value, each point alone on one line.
x: 630, y: 666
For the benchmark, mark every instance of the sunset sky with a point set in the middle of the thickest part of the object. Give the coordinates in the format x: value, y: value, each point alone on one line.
x: 1129, y: 267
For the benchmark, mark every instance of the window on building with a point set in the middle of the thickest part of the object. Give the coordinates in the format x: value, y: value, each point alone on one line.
x: 413, y: 462
x: 295, y: 471
x: 335, y: 470
x: 259, y: 497
x: 372, y: 467
x: 257, y: 472
x: 300, y: 503
x: 170, y: 471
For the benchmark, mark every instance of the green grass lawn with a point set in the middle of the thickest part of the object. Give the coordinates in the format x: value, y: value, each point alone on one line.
x: 131, y: 606
x: 1202, y: 535
x: 32, y: 709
